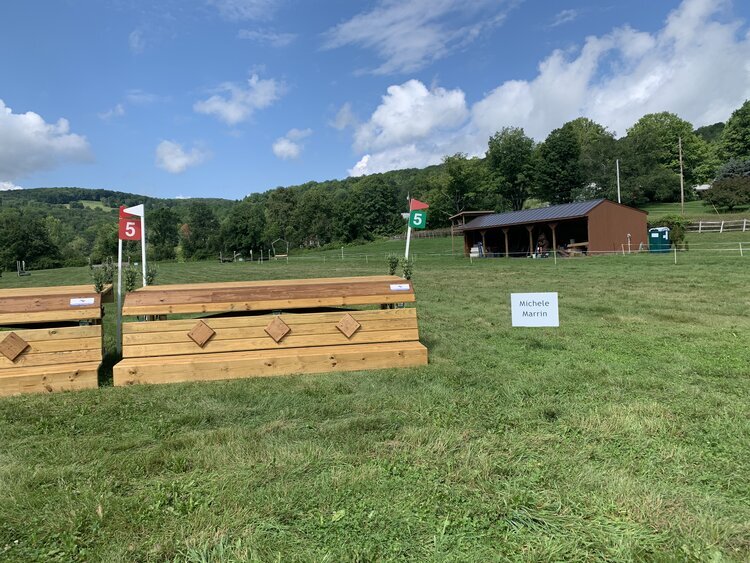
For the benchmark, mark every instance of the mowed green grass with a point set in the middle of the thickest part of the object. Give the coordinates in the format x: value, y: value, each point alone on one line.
x: 694, y: 210
x: 622, y: 435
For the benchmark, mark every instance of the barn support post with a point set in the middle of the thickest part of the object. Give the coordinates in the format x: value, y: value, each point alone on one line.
x: 484, y: 244
x: 505, y: 232
x: 530, y: 228
x: 553, y: 226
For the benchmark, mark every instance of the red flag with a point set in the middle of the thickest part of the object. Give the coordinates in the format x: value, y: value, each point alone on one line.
x: 130, y: 226
x: 415, y: 204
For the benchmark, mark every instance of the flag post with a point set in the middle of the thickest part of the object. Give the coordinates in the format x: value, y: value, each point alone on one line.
x: 417, y: 220
x: 139, y: 211
x: 119, y: 296
x: 131, y: 222
x: 408, y: 241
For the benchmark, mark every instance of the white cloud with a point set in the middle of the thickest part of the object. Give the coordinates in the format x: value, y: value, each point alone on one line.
x: 407, y: 156
x: 344, y: 118
x: 7, y: 186
x: 137, y: 41
x: 289, y: 146
x: 29, y: 144
x: 173, y: 158
x: 564, y: 16
x: 696, y: 66
x: 409, y: 34
x: 117, y: 111
x: 235, y: 10
x: 267, y: 37
x: 408, y: 113
x: 240, y: 103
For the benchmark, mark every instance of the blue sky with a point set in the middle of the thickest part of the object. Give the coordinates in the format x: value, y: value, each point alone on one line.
x: 221, y: 98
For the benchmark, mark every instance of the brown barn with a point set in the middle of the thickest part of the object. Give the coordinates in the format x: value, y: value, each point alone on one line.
x: 595, y: 226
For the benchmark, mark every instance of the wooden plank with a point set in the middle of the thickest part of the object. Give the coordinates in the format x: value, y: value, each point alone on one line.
x: 266, y: 343
x: 261, y: 293
x: 52, y: 358
x: 262, y: 320
x: 269, y: 305
x: 243, y: 284
x: 62, y: 345
x: 63, y: 333
x: 262, y: 364
x: 36, y: 317
x: 71, y: 290
x: 235, y: 333
x: 28, y: 304
x: 67, y: 377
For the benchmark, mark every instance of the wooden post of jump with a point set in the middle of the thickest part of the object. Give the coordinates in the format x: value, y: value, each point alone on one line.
x: 530, y: 228
x: 505, y: 232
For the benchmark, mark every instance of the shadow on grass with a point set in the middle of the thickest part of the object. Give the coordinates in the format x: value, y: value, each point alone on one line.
x: 105, y: 370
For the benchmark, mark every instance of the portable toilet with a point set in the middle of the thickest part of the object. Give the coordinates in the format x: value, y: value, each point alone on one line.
x: 658, y: 239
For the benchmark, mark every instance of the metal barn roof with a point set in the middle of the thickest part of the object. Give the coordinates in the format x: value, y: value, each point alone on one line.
x: 552, y: 213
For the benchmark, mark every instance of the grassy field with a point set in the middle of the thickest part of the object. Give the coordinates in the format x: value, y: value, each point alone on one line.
x: 694, y: 210
x: 622, y: 435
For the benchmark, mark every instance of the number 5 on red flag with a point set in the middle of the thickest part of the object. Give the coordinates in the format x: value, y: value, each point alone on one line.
x: 130, y: 226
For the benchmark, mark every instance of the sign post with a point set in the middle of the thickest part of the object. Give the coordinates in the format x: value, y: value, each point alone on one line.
x: 131, y: 227
x: 417, y: 220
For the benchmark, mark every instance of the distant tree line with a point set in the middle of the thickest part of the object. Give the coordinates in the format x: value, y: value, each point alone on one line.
x: 50, y: 227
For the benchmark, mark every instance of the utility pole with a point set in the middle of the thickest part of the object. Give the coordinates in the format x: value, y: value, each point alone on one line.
x: 619, y: 199
x: 682, y: 178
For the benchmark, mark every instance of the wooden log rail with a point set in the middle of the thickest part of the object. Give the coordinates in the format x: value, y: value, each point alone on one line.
x: 263, y: 336
x: 50, y: 338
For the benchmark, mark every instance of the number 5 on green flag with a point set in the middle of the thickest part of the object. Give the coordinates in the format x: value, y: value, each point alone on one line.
x: 418, y: 219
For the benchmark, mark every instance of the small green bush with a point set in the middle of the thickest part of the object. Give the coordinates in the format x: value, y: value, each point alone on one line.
x: 407, y: 267
x: 393, y: 262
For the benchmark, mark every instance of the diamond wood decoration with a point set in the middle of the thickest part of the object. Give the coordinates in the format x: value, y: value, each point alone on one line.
x: 13, y: 346
x: 201, y: 334
x: 277, y: 329
x: 348, y: 325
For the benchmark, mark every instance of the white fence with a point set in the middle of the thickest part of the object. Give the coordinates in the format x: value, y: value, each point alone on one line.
x: 740, y: 225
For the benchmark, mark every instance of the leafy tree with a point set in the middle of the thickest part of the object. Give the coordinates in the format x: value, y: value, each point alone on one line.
x: 459, y: 188
x: 313, y: 217
x: 23, y: 236
x: 203, y: 234
x: 651, y: 163
x: 735, y: 138
x: 510, y: 157
x: 105, y: 244
x: 559, y: 171
x: 376, y: 206
x: 163, y: 235
x: 280, y: 205
x: 729, y: 193
x: 242, y: 230
x: 597, y: 159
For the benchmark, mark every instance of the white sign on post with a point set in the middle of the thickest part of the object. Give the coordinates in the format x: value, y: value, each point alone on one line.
x: 534, y: 309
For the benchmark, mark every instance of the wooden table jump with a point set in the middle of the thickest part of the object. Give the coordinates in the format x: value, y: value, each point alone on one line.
x: 259, y: 334
x: 50, y: 338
